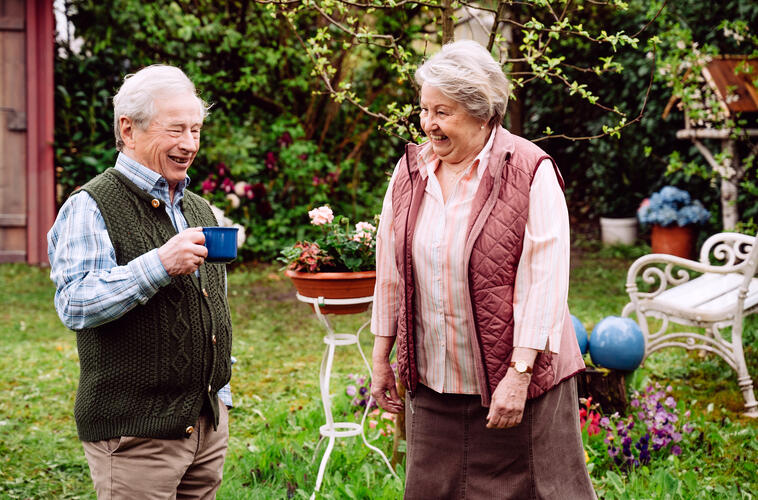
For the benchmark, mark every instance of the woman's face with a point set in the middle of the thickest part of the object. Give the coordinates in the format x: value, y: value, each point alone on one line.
x: 456, y: 136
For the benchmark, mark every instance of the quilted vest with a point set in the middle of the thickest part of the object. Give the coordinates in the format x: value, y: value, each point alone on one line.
x: 493, y: 249
x: 149, y: 372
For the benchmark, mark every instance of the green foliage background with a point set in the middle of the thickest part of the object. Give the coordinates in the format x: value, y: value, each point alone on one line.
x: 247, y: 60
x: 248, y: 66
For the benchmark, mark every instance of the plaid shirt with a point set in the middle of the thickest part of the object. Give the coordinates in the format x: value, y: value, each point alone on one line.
x: 91, y: 288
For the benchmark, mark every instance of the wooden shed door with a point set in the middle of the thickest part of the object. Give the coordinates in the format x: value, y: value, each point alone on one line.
x: 13, y: 182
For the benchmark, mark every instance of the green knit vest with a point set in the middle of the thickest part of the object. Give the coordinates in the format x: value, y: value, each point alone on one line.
x: 149, y: 372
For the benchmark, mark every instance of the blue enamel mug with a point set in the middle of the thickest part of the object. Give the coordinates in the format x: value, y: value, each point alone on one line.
x: 221, y: 243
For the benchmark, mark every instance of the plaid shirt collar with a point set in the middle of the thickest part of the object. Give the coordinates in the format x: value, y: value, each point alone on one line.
x: 148, y: 180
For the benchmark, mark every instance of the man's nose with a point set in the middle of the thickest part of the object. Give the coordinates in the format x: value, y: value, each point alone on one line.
x: 188, y: 142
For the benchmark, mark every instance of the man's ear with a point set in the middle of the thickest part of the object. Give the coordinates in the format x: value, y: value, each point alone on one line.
x: 126, y: 126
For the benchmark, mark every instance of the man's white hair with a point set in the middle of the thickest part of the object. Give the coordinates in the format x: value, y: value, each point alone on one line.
x: 465, y: 72
x: 136, y: 97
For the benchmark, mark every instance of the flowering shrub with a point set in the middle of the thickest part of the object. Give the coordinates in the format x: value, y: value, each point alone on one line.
x: 654, y: 428
x: 339, y: 248
x: 589, y: 417
x: 672, y: 206
x: 360, y: 391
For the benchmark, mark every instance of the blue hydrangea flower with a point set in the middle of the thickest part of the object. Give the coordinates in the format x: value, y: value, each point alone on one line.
x: 672, y: 206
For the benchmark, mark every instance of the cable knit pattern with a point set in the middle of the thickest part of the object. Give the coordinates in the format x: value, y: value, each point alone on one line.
x: 493, y: 248
x: 148, y: 373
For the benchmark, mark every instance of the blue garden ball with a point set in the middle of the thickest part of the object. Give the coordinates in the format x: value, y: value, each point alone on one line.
x: 617, y: 343
x: 581, y: 334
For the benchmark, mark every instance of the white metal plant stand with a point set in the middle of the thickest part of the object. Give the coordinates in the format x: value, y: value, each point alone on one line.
x: 331, y: 429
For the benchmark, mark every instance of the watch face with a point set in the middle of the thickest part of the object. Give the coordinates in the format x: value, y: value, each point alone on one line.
x: 520, y: 366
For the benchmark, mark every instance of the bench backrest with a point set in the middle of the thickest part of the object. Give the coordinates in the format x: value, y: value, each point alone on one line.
x: 734, y: 249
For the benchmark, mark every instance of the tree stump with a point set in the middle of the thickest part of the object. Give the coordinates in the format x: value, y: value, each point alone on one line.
x: 397, y: 455
x: 606, y: 387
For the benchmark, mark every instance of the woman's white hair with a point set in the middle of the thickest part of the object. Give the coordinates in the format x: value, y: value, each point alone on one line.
x: 136, y: 97
x: 465, y: 72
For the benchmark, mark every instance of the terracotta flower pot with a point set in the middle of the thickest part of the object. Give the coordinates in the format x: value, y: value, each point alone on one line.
x: 335, y: 286
x: 673, y: 240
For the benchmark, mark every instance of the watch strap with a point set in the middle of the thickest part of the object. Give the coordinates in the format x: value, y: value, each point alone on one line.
x: 527, y: 370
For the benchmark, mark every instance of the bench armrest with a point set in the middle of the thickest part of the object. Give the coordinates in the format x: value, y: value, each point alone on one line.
x: 662, y: 271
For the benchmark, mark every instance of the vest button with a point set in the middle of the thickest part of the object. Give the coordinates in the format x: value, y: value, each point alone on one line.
x: 189, y: 430
x: 205, y: 292
x: 156, y: 203
x: 213, y: 339
x: 209, y: 389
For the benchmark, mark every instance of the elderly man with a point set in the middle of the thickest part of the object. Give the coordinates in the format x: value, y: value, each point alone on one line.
x: 151, y: 318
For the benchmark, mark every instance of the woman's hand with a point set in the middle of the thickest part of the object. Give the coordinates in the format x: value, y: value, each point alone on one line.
x: 383, y: 387
x: 508, y: 400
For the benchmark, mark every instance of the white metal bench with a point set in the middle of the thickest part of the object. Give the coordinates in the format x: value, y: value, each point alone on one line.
x: 700, y: 294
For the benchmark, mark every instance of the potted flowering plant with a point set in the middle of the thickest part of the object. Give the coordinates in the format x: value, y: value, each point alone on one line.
x: 339, y: 264
x: 673, y: 216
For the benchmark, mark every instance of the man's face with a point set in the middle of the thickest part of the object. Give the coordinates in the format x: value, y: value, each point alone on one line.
x: 171, y: 141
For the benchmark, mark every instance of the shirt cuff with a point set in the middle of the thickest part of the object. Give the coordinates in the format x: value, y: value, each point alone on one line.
x: 536, y: 339
x: 149, y: 273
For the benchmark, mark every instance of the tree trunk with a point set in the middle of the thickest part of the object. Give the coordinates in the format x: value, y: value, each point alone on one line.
x: 516, y: 108
x: 448, y: 27
x: 730, y: 214
x: 606, y: 387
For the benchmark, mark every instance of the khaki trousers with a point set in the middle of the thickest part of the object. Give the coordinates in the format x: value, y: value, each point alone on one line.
x: 135, y: 468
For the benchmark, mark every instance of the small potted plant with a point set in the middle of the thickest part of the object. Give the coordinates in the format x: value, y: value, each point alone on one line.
x: 673, y: 216
x: 338, y: 264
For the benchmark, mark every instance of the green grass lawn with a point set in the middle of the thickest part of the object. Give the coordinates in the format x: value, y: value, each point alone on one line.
x: 274, y: 446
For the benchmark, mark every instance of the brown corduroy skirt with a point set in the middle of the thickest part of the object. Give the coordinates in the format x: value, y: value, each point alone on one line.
x: 452, y: 455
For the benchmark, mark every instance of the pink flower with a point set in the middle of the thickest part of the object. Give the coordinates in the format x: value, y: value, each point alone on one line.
x: 233, y: 199
x: 209, y: 184
x: 222, y: 170
x: 227, y: 185
x: 364, y: 233
x: 321, y: 215
x: 240, y: 187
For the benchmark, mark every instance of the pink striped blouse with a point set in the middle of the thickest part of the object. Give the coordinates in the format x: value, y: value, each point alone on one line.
x: 445, y: 358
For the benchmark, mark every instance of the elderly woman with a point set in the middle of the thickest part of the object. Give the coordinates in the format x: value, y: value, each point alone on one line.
x: 472, y: 280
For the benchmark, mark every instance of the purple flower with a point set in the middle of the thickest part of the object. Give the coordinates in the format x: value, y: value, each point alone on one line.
x: 270, y: 160
x: 676, y: 450
x: 284, y: 140
x: 670, y: 402
x: 350, y: 390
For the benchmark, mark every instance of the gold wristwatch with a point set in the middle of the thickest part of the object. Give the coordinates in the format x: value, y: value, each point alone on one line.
x: 521, y: 366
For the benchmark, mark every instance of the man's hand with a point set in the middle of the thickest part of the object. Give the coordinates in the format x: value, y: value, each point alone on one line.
x: 184, y: 253
x: 383, y: 387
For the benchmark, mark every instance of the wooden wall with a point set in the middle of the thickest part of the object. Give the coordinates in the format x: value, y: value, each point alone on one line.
x: 27, y: 176
x: 13, y: 202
